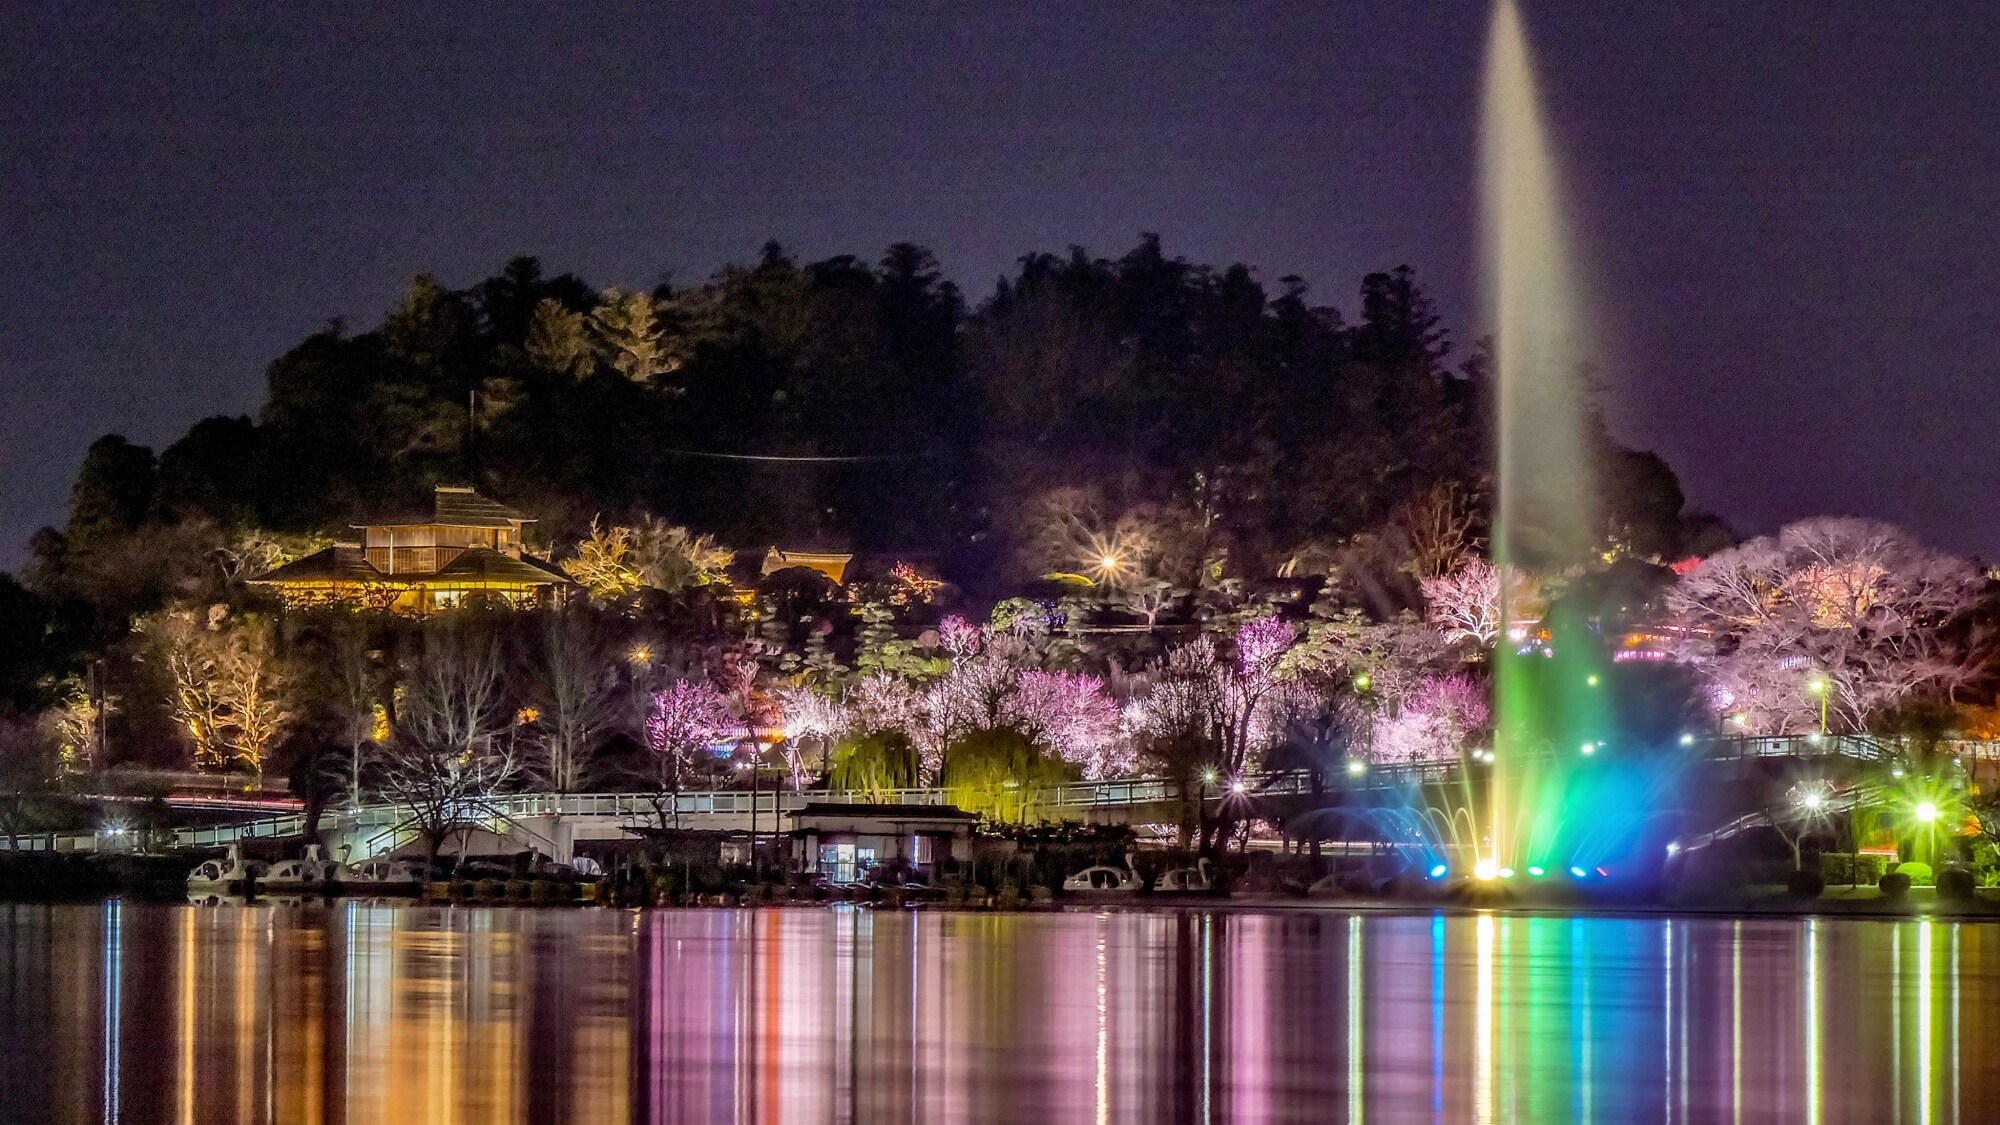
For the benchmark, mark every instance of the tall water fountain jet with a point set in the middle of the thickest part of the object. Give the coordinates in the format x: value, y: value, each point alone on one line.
x: 1545, y: 514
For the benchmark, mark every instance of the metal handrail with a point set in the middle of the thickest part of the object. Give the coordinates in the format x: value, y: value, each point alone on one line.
x: 1089, y: 794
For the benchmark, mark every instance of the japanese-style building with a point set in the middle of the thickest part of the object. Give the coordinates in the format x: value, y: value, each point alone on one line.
x: 468, y: 547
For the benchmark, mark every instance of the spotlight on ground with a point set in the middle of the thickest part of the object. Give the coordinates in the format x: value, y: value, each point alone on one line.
x: 1579, y: 872
x: 1438, y: 871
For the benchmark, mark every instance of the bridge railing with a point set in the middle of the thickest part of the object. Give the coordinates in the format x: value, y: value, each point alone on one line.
x: 642, y: 808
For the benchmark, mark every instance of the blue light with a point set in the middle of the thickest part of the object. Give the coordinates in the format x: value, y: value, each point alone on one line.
x: 1438, y: 871
x: 1579, y: 872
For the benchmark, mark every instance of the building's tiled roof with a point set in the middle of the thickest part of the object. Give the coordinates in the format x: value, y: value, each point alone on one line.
x: 478, y: 565
x: 341, y: 564
x: 457, y: 506
x: 462, y: 507
x: 820, y: 810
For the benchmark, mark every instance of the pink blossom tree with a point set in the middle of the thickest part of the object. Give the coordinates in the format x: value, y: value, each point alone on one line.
x: 686, y: 717
x: 1433, y: 722
x: 1205, y: 712
x: 1073, y: 716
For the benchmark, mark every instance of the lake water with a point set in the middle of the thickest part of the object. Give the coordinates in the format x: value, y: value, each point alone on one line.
x: 401, y: 1013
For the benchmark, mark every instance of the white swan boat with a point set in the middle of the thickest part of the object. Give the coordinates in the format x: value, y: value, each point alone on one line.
x: 1104, y: 879
x: 309, y: 875
x: 1185, y: 880
x: 230, y: 875
x: 380, y: 877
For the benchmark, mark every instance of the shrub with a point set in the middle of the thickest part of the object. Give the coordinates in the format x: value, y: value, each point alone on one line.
x: 1895, y: 885
x: 1840, y: 868
x: 1956, y: 884
x: 1919, y: 873
x: 1805, y: 884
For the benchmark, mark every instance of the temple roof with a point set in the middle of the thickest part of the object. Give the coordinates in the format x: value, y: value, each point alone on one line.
x: 339, y: 563
x: 458, y: 506
x: 480, y: 565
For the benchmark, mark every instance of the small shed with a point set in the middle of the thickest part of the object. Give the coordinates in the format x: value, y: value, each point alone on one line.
x: 842, y: 841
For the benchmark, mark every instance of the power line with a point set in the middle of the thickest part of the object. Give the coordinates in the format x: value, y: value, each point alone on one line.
x: 846, y: 459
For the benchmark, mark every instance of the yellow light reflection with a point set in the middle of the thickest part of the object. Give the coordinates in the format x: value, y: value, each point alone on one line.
x: 184, y: 1094
x: 1357, y: 1068
x: 1103, y: 1029
x: 1812, y: 1022
x: 1925, y: 1024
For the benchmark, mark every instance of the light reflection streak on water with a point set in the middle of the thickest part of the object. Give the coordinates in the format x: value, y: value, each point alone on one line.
x: 1103, y: 1031
x: 1483, y: 1045
x: 1357, y: 1040
x: 1207, y: 1017
x: 1924, y: 1028
x: 1736, y: 1020
x: 1437, y: 1016
x: 1667, y: 1014
x: 113, y: 1008
x: 1896, y: 1016
x: 367, y: 1015
x: 1954, y: 1025
x: 1813, y: 1079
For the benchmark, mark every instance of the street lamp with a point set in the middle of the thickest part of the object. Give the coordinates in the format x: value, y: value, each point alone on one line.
x: 1816, y: 684
x: 1356, y: 767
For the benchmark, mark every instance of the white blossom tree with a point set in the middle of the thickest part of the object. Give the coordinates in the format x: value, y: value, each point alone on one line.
x: 1464, y: 605
x: 1852, y: 614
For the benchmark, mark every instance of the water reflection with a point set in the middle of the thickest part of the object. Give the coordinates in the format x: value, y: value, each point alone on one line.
x: 396, y: 1013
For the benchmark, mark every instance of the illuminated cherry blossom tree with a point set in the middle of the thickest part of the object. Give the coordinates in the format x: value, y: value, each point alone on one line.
x: 1849, y: 611
x: 1073, y: 717
x: 1465, y: 604
x: 807, y: 715
x: 686, y: 717
x: 1433, y: 723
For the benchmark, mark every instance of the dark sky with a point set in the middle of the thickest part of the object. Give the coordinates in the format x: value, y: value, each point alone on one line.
x: 1790, y: 213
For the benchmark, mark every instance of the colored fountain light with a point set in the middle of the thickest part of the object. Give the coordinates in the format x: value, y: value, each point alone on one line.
x: 1539, y: 807
x: 1536, y: 872
x: 1438, y: 871
x: 1486, y: 869
x: 1579, y: 872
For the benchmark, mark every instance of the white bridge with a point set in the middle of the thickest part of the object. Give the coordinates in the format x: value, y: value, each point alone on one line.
x: 553, y: 823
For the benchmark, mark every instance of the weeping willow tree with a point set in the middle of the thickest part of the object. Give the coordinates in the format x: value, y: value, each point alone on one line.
x: 873, y: 764
x: 998, y: 773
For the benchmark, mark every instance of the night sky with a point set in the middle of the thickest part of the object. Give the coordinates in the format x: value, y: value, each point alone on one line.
x: 1790, y: 213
